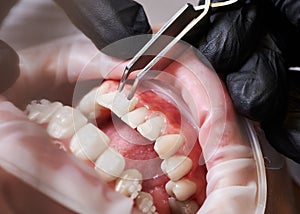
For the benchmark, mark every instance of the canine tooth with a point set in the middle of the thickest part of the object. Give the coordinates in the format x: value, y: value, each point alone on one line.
x: 65, y: 122
x: 183, y: 207
x: 106, y: 100
x: 88, y: 105
x: 182, y: 189
x: 176, y: 166
x: 151, y: 129
x: 89, y: 142
x: 135, y: 117
x: 167, y: 145
x: 121, y: 105
x: 144, y: 202
x: 110, y: 164
x: 129, y: 184
x: 42, y: 111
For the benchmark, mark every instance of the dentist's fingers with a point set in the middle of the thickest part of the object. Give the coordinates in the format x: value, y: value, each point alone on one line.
x: 27, y: 153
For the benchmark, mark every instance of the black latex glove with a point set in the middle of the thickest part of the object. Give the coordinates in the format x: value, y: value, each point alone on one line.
x: 106, y: 21
x: 251, y: 45
x: 9, y: 60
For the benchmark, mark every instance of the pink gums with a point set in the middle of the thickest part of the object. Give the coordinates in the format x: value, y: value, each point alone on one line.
x: 145, y: 159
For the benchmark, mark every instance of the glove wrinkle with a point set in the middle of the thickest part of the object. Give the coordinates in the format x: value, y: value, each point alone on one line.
x: 232, y: 37
x: 106, y: 21
x: 258, y: 89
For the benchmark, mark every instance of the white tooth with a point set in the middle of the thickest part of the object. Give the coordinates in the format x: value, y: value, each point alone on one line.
x: 167, y: 145
x: 121, y: 105
x: 65, y: 122
x: 176, y: 166
x: 184, y: 207
x: 152, y: 128
x: 135, y: 117
x: 129, y: 184
x: 88, y: 105
x: 106, y: 100
x: 110, y: 164
x: 182, y: 189
x: 144, y: 202
x: 41, y: 111
x: 89, y: 142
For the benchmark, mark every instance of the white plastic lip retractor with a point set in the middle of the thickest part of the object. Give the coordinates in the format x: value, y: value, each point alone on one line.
x: 181, y: 23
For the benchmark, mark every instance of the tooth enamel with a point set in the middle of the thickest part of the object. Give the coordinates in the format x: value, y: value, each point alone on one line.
x: 121, y: 105
x: 182, y: 189
x: 183, y: 207
x: 144, y: 202
x: 151, y: 129
x: 88, y: 105
x: 89, y: 142
x: 135, y: 117
x: 129, y: 184
x: 167, y: 145
x: 110, y: 164
x: 176, y: 166
x: 41, y: 111
x: 64, y: 122
x: 106, y: 100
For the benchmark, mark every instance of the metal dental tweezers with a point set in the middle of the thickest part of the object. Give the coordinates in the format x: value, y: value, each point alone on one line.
x: 181, y: 23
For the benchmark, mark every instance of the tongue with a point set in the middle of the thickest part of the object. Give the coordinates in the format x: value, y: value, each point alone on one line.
x: 140, y: 154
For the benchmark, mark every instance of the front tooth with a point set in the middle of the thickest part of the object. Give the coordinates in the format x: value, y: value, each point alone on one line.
x: 121, y: 105
x: 65, y: 122
x: 110, y: 164
x: 89, y: 142
x: 144, y: 202
x: 176, y: 166
x: 152, y: 128
x: 106, y: 100
x: 135, y: 117
x: 167, y: 145
x: 129, y: 184
x: 87, y: 104
x: 182, y: 189
x: 42, y: 111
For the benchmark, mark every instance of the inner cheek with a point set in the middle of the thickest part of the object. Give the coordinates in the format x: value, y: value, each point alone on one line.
x: 154, y: 161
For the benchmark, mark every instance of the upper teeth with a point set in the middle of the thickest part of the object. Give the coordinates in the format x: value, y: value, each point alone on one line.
x: 89, y: 142
x: 42, y: 111
x: 167, y: 145
x: 65, y: 122
x: 152, y: 128
x: 110, y: 164
x: 121, y: 105
x: 176, y: 166
x: 106, y: 100
x: 135, y: 117
x: 182, y: 189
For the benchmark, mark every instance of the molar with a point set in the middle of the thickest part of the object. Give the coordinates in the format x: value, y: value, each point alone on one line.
x: 183, y: 207
x: 176, y: 166
x: 129, y: 184
x: 89, y: 142
x: 182, y: 189
x: 152, y: 128
x: 135, y: 117
x: 110, y: 164
x: 144, y: 202
x: 42, y: 111
x: 121, y: 105
x: 65, y: 122
x: 167, y: 145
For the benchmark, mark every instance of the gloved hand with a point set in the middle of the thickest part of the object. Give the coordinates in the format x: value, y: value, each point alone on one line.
x: 252, y: 44
x: 106, y: 21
